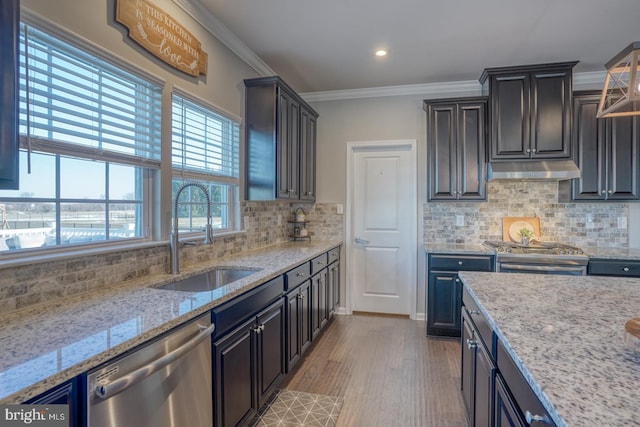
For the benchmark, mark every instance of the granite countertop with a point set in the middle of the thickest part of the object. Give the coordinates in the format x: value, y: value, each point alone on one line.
x: 613, y: 253
x: 566, y: 334
x: 458, y: 249
x: 47, y: 345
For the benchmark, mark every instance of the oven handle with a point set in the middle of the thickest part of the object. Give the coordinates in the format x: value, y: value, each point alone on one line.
x: 508, y: 266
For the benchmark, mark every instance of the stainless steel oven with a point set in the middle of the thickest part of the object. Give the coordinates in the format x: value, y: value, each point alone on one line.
x: 539, y: 258
x: 514, y: 267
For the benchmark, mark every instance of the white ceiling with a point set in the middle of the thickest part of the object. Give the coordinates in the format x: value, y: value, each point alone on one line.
x: 328, y: 45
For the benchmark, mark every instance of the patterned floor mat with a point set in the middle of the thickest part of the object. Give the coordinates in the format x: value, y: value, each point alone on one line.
x: 298, y: 409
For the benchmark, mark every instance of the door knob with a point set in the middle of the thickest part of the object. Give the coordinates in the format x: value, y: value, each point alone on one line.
x: 361, y: 241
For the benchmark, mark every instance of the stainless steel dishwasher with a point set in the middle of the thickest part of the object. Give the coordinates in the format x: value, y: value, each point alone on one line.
x: 166, y: 383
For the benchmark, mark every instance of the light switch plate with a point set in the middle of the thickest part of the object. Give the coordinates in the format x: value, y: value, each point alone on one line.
x: 340, y: 208
x: 459, y: 220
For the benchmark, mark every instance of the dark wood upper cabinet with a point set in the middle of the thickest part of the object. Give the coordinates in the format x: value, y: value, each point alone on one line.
x: 280, y: 142
x: 456, y: 135
x: 9, y: 141
x: 530, y: 111
x: 607, y: 151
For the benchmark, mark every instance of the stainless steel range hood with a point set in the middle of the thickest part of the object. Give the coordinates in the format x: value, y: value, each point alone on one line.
x: 550, y: 170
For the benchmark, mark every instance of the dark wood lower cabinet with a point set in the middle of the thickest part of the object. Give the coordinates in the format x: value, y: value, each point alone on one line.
x: 478, y: 371
x: 270, y: 339
x: 333, y: 287
x: 64, y: 394
x: 614, y: 267
x: 298, y: 315
x: 234, y: 378
x: 249, y: 364
x: 506, y: 414
x: 444, y: 290
x: 319, y: 311
x: 444, y: 295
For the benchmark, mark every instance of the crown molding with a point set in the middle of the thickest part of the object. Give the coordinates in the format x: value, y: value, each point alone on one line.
x: 204, y: 17
x: 469, y: 87
x: 589, y: 80
x: 593, y: 79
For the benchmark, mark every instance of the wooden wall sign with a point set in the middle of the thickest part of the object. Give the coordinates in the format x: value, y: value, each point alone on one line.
x: 161, y: 35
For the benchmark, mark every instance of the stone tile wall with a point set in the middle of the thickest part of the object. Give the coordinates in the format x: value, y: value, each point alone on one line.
x: 324, y: 221
x: 581, y: 224
x: 265, y: 224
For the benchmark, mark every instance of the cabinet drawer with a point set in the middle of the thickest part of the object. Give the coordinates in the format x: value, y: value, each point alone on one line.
x: 461, y: 263
x: 523, y: 396
x: 606, y: 267
x: 334, y: 255
x: 479, y: 321
x: 318, y: 263
x: 235, y: 311
x: 297, y: 276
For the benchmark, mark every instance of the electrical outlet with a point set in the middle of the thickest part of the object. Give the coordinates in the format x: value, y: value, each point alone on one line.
x: 459, y: 220
x: 590, y: 223
x: 622, y: 222
x: 340, y: 208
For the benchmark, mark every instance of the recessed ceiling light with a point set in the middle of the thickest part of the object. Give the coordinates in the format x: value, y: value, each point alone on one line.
x: 382, y: 52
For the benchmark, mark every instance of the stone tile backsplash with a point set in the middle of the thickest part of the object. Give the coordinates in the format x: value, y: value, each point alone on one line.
x: 582, y: 224
x: 265, y: 224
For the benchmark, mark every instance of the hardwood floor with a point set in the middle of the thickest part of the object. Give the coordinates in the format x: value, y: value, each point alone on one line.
x: 387, y: 371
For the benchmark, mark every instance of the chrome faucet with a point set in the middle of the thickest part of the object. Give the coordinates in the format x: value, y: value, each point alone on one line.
x: 174, y: 241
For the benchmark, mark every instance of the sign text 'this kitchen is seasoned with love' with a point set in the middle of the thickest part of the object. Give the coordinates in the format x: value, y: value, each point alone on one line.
x: 161, y: 35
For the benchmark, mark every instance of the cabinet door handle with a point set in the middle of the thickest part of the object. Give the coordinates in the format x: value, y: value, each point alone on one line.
x: 471, y: 344
x: 473, y: 312
x: 603, y: 192
x: 533, y: 150
x: 610, y: 191
x: 625, y: 269
x: 300, y: 275
x: 300, y: 296
x: 291, y: 190
x: 457, y: 280
x: 460, y: 262
x: 528, y: 150
x: 530, y: 418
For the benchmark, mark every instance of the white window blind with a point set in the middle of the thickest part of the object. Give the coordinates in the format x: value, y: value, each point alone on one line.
x: 205, y: 143
x: 74, y: 103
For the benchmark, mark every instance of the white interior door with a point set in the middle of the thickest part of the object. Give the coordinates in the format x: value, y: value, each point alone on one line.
x: 383, y: 229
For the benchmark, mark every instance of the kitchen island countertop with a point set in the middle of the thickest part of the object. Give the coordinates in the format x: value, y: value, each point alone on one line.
x: 566, y: 335
x: 46, y: 345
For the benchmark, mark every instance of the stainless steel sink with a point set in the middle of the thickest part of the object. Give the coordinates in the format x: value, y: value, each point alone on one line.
x: 208, y: 281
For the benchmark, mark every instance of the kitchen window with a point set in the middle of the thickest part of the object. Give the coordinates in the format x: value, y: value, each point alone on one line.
x: 205, y: 144
x: 90, y: 145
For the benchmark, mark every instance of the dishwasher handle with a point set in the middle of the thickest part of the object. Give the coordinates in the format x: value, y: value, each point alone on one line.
x: 108, y: 390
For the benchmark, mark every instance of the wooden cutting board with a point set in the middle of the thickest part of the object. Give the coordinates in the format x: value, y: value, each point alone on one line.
x: 511, y: 225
